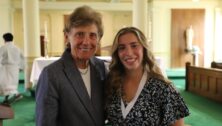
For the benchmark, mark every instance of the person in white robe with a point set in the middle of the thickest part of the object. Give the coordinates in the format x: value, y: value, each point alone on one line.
x: 11, y: 61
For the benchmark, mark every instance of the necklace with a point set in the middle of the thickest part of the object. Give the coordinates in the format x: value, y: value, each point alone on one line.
x: 84, y: 71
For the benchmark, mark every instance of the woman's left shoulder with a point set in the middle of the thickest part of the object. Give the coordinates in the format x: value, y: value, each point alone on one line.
x: 162, y: 85
x: 99, y: 65
x: 159, y: 83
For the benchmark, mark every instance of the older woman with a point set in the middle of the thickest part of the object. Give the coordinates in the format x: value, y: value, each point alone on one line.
x: 70, y: 91
x: 137, y: 92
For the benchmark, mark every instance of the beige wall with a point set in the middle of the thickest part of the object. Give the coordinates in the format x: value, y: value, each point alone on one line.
x: 162, y: 26
x: 5, y: 18
x: 55, y: 24
x: 114, y: 20
x: 18, y: 29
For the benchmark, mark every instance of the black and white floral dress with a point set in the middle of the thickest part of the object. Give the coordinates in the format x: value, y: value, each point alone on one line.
x: 158, y: 104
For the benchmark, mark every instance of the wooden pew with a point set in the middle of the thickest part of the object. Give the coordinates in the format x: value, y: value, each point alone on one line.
x: 216, y: 65
x: 206, y: 82
x: 5, y: 113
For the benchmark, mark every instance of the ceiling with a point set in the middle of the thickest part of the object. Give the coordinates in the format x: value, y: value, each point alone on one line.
x: 114, y: 1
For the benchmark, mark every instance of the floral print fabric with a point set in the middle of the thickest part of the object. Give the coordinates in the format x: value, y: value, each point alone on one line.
x: 158, y: 104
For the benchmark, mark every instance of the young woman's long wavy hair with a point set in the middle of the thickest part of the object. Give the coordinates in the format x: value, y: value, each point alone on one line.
x: 117, y: 71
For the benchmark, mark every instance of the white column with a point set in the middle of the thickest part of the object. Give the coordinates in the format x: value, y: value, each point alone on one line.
x: 218, y: 37
x: 31, y: 35
x: 140, y: 15
x: 5, y: 19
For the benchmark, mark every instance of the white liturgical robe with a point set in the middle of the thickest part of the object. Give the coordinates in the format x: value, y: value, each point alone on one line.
x: 11, y: 60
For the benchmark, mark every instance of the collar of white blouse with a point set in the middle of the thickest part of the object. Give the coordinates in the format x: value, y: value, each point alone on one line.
x: 126, y: 110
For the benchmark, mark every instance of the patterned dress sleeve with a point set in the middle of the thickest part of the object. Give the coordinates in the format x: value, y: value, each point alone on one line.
x: 174, y: 107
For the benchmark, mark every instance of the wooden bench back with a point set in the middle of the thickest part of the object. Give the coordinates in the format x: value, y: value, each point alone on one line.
x: 206, y: 82
x: 216, y: 65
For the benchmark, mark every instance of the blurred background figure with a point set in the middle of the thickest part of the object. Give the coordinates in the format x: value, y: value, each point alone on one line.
x: 11, y: 61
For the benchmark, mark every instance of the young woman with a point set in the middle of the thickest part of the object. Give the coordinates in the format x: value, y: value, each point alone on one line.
x: 137, y: 92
